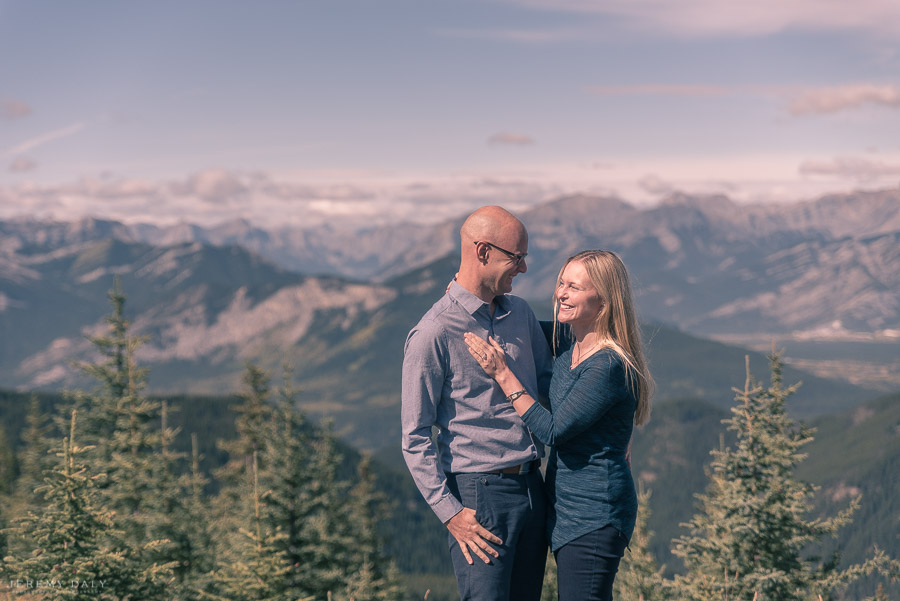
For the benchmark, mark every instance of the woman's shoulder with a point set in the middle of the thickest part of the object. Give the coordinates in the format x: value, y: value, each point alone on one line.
x: 605, y: 360
x: 606, y: 354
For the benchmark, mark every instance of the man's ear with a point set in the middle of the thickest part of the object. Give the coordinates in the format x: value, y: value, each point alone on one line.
x: 481, y: 252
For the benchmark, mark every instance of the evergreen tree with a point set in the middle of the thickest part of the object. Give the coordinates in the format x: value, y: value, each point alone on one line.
x: 296, y: 470
x: 329, y: 526
x: 7, y: 484
x: 75, y: 539
x: 34, y: 456
x: 748, y: 540
x: 180, y: 515
x: 314, y: 537
x: 33, y: 459
x: 252, y: 423
x: 7, y: 465
x: 256, y: 569
x: 639, y: 577
x: 372, y: 576
x: 294, y: 503
x: 133, y: 448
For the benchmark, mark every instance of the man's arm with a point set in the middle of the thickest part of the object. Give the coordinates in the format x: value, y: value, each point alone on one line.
x: 423, y: 380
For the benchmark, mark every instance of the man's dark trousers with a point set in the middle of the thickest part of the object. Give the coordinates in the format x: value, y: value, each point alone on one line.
x: 514, y: 507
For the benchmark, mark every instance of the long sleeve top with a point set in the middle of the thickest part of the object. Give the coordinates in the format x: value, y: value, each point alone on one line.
x: 588, y: 426
x: 477, y: 428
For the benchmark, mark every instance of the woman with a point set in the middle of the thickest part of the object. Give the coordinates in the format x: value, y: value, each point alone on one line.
x: 601, y: 387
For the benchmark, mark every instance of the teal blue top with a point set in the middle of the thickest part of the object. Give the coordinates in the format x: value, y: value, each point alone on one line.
x: 589, y: 425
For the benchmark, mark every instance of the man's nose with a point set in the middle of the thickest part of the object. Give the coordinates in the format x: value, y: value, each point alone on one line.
x: 523, y: 267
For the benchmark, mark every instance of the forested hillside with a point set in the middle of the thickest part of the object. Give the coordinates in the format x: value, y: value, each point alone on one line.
x: 852, y: 454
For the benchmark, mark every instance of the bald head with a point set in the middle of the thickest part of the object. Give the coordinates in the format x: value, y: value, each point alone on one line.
x: 493, y: 224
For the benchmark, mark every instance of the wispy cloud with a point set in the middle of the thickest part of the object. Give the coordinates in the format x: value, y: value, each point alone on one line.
x: 799, y: 100
x: 655, y: 185
x: 854, y: 168
x: 212, y: 185
x: 14, y: 109
x: 524, y: 36
x: 21, y: 165
x: 834, y: 99
x: 717, y: 18
x: 506, y: 138
x: 698, y: 90
x: 56, y: 134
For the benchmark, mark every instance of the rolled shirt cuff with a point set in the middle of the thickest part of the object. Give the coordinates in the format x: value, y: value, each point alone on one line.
x: 446, y: 508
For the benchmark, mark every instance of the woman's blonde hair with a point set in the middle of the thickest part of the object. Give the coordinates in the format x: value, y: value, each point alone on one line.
x: 616, y: 323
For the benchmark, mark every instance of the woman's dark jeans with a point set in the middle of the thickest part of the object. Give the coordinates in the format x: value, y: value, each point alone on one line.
x: 587, y: 566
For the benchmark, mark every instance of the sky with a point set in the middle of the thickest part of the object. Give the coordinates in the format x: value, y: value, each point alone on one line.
x: 294, y: 112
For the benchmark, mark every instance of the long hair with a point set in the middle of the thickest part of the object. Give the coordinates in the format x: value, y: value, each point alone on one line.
x: 616, y: 324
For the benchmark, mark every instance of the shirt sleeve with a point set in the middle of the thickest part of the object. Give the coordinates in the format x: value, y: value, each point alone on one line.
x: 598, y: 388
x: 424, y: 369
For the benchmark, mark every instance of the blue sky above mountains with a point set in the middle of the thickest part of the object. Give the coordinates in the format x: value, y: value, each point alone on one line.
x: 284, y: 112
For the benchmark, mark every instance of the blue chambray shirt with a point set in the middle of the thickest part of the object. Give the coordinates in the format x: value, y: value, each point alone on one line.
x: 443, y: 386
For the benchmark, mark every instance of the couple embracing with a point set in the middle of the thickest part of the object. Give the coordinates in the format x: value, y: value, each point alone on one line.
x: 475, y: 367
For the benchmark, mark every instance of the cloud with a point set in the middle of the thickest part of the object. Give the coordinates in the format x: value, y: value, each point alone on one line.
x: 510, y: 139
x: 653, y: 184
x: 717, y: 18
x: 56, y: 134
x: 290, y: 191
x: 801, y: 101
x: 858, y: 169
x: 14, y: 109
x: 212, y: 185
x: 834, y: 99
x: 525, y: 36
x: 697, y: 90
x: 21, y: 165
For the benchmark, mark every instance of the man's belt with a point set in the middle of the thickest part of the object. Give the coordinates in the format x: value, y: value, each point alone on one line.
x: 525, y: 468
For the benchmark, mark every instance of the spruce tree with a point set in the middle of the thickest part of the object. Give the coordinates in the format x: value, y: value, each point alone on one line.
x: 298, y: 504
x: 198, y: 528
x: 748, y: 540
x: 34, y: 456
x: 7, y: 486
x: 76, y: 542
x: 255, y: 568
x: 639, y: 577
x: 33, y: 460
x: 292, y: 503
x: 179, y: 514
x: 133, y: 448
x: 372, y: 576
x: 332, y: 532
x: 252, y: 423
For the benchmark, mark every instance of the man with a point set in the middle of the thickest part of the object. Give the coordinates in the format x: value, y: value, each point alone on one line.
x: 481, y: 475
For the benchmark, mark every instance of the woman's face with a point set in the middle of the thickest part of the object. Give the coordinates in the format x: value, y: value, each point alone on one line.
x: 579, y: 303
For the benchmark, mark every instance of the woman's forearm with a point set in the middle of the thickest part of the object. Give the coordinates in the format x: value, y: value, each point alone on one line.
x: 510, y: 385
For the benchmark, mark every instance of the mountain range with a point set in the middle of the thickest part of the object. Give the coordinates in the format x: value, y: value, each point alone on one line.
x: 206, y: 311
x: 827, y: 268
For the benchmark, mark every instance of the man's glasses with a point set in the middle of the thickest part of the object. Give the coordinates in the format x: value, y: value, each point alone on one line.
x: 515, y: 258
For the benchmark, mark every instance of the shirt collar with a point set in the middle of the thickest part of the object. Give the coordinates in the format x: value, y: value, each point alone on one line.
x: 472, y: 303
